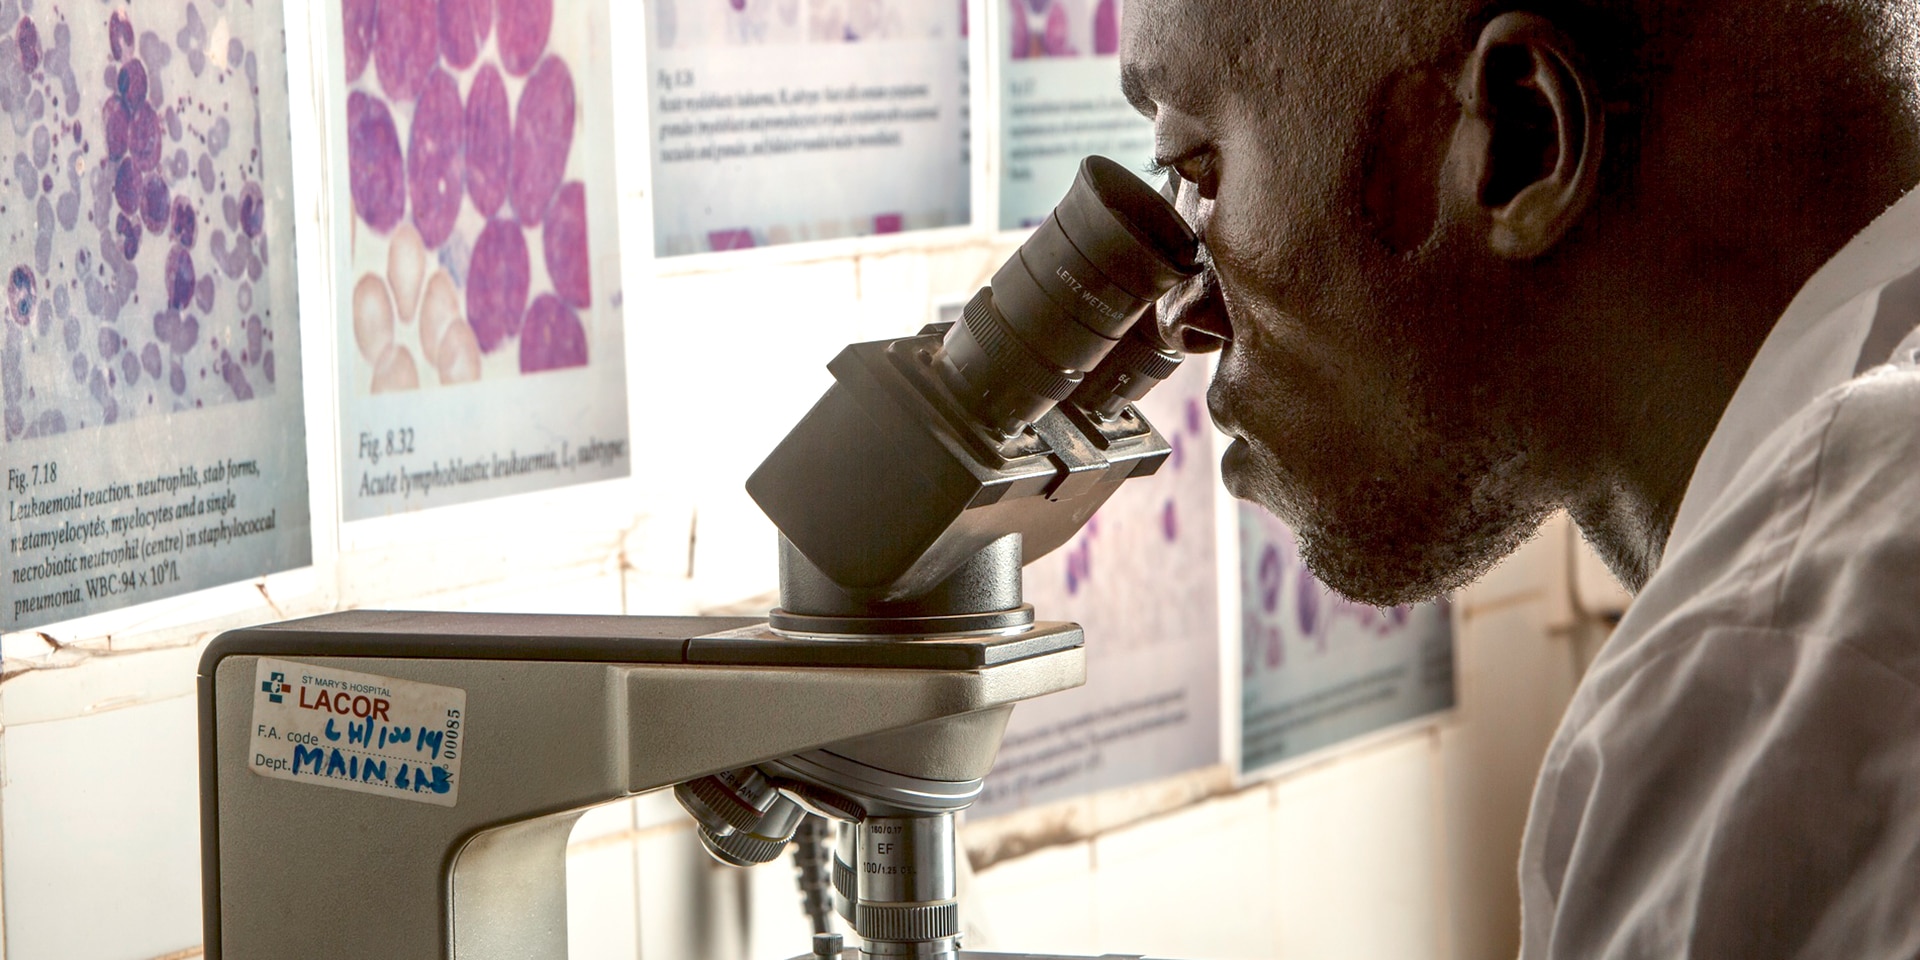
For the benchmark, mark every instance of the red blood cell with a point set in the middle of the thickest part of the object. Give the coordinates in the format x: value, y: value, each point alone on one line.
x: 553, y: 339
x: 462, y: 31
x: 376, y: 175
x: 523, y: 33
x: 542, y: 136
x: 126, y: 187
x: 179, y: 280
x: 564, y: 242
x: 143, y: 137
x: 405, y: 46
x: 489, y: 141
x: 357, y: 17
x: 436, y: 170
x: 156, y: 204
x: 497, y: 284
x: 120, y: 33
x: 28, y: 37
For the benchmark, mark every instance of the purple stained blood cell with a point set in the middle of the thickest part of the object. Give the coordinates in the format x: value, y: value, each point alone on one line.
x: 1307, y: 603
x: 497, y: 284
x: 166, y: 326
x: 489, y: 154
x: 375, y: 172
x: 130, y: 368
x: 231, y: 209
x: 120, y: 34
x: 358, y: 17
x: 186, y: 334
x: 1106, y: 28
x: 129, y: 236
x: 405, y: 46
x: 192, y: 40
x: 28, y: 36
x: 126, y: 186
x: 203, y: 293
x: 266, y: 365
x: 461, y: 31
x: 150, y: 359
x: 1170, y: 522
x: 177, y: 378
x: 143, y: 138
x: 244, y: 299
x: 436, y: 173
x: 256, y: 336
x: 219, y: 135
x: 80, y: 368
x: 109, y: 342
x: 156, y: 205
x: 253, y: 209
x: 132, y: 83
x: 184, y: 226
x: 564, y: 242
x: 522, y: 36
x: 553, y: 338
x: 542, y: 137
x: 179, y: 278
x: 174, y: 132
x: 1270, y: 579
x: 70, y: 334
x: 21, y: 296
x: 204, y: 171
x: 235, y: 51
x: 1195, y: 417
x: 118, y: 123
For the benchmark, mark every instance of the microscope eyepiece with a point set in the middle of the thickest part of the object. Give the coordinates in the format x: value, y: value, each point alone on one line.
x: 1058, y: 306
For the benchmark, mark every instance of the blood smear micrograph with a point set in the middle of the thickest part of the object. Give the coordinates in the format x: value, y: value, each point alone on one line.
x: 470, y: 241
x: 129, y: 140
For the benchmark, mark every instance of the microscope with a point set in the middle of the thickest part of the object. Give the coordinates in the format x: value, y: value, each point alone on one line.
x: 401, y: 785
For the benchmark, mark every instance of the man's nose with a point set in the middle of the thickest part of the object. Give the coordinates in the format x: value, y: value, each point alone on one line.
x: 1193, y: 316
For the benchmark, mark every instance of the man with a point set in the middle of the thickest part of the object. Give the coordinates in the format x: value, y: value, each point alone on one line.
x: 1646, y: 261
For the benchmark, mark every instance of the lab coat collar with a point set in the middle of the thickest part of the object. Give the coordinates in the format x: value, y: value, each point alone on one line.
x: 1847, y: 319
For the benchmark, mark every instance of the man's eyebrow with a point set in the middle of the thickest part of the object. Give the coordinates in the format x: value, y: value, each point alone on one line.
x: 1133, y: 85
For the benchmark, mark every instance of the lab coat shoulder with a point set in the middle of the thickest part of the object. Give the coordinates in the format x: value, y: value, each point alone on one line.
x: 1740, y: 775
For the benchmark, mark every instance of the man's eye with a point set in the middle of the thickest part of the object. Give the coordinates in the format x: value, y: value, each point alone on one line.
x: 1195, y: 168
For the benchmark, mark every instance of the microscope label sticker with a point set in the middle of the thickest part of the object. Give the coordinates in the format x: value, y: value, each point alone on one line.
x: 357, y: 731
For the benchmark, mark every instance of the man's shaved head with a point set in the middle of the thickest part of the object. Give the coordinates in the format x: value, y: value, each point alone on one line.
x: 1475, y: 261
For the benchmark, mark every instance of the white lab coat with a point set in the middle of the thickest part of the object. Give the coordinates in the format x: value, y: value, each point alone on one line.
x: 1738, y: 775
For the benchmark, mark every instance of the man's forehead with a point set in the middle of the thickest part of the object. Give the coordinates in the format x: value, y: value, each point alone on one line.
x: 1166, y: 53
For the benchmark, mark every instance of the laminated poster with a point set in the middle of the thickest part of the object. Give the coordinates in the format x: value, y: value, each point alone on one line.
x: 777, y: 121
x: 478, y: 276
x: 1142, y: 578
x: 154, y: 441
x: 1317, y: 670
x: 1060, y: 100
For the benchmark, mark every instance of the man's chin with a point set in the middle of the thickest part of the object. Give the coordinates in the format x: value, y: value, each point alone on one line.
x: 1382, y: 544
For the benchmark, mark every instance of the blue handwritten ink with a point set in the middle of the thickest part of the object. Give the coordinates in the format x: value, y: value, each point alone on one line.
x: 430, y: 739
x: 307, y: 757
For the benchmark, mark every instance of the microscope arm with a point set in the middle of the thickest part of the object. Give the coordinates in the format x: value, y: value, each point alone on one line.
x: 562, y: 713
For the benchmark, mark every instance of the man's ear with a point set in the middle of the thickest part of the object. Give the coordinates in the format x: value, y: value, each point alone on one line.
x: 1530, y: 138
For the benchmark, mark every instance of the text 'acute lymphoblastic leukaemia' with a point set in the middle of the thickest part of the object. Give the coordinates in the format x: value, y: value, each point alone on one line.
x: 132, y: 214
x: 460, y: 125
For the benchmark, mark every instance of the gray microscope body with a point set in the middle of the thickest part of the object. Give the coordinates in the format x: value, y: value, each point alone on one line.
x: 402, y: 785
